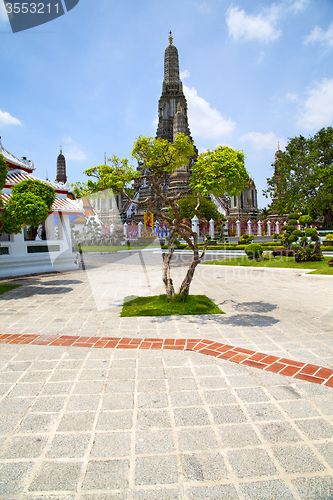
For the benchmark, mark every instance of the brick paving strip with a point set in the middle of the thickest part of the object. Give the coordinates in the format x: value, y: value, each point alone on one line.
x: 304, y: 371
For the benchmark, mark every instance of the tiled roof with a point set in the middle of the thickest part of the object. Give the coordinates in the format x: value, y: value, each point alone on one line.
x: 59, y: 204
x: 17, y: 176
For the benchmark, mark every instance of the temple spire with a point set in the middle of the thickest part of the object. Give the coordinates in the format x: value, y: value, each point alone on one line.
x: 170, y: 38
x: 61, y: 168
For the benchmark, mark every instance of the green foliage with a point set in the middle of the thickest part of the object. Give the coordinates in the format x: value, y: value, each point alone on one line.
x: 114, y: 176
x: 3, y: 176
x: 246, y: 238
x: 207, y: 208
x: 311, y: 257
x: 28, y: 205
x: 160, y: 156
x: 305, y: 220
x: 329, y: 236
x: 3, y: 171
x: 6, y: 287
x: 221, y: 171
x: 254, y: 250
x: 23, y: 208
x: 304, y: 176
x: 37, y: 188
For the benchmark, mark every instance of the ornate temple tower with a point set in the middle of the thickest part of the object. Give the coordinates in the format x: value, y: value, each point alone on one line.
x: 172, y: 96
x: 61, y: 168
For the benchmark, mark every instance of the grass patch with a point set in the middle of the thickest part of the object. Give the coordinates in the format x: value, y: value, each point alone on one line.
x: 6, y: 287
x: 116, y: 248
x: 161, y: 305
x: 320, y: 267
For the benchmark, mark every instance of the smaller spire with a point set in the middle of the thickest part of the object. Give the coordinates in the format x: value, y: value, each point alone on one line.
x: 279, y: 146
x: 170, y: 38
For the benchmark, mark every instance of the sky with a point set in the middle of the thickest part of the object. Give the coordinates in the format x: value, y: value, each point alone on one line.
x: 89, y: 81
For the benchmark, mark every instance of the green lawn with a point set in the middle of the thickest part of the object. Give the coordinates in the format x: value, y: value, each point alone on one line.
x: 281, y: 262
x: 115, y: 248
x: 5, y: 287
x: 160, y: 305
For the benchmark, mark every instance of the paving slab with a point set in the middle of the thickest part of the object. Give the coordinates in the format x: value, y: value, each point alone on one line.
x: 82, y: 423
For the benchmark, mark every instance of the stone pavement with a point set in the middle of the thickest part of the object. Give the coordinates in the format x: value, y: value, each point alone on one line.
x: 88, y: 423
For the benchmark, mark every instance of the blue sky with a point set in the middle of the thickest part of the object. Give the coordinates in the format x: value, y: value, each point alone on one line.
x: 253, y: 73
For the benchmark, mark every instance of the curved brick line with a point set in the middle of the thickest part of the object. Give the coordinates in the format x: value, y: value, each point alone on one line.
x: 288, y: 367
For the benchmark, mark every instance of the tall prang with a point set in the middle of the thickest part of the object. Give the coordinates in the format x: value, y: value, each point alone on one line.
x: 172, y: 96
x: 172, y: 112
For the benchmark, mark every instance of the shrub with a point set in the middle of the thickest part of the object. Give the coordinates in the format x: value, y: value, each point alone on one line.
x: 254, y: 250
x: 330, y: 263
x: 329, y: 237
x: 310, y: 257
x: 246, y: 238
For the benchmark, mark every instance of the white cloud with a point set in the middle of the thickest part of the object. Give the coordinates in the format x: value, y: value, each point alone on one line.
x: 184, y: 74
x: 261, y: 57
x: 297, y: 5
x: 321, y: 36
x: 250, y: 27
x: 205, y: 121
x: 291, y: 97
x: 7, y: 119
x: 263, y: 141
x: 73, y: 150
x: 317, y: 108
x: 204, y: 8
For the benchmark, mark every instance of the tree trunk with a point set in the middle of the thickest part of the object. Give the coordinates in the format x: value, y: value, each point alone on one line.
x: 185, y: 286
x: 170, y: 291
x: 328, y: 217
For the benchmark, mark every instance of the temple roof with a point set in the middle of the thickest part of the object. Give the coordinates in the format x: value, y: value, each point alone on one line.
x: 59, y: 204
x: 16, y: 176
x: 19, y: 162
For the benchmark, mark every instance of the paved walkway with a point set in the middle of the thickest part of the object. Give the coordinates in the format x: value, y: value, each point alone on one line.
x: 87, y: 423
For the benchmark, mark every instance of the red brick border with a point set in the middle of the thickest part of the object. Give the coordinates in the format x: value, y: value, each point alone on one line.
x: 304, y: 371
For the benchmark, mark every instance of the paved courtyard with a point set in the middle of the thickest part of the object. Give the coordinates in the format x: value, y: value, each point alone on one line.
x: 88, y: 423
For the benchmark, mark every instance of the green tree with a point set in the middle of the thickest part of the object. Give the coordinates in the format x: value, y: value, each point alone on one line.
x: 303, y: 178
x: 207, y: 209
x: 219, y: 172
x: 115, y: 176
x: 29, y: 204
x: 3, y: 176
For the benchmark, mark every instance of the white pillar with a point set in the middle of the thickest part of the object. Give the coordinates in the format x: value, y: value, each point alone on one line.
x: 249, y: 228
x: 195, y: 224
x: 19, y: 246
x: 225, y: 228
x: 269, y: 228
x: 259, y: 228
x: 140, y: 229
x: 277, y: 227
x: 238, y: 228
x: 211, y: 228
x: 49, y: 227
x: 125, y: 229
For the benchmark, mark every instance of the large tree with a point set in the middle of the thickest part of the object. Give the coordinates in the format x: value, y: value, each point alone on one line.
x: 29, y: 204
x: 219, y: 172
x: 303, y: 177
